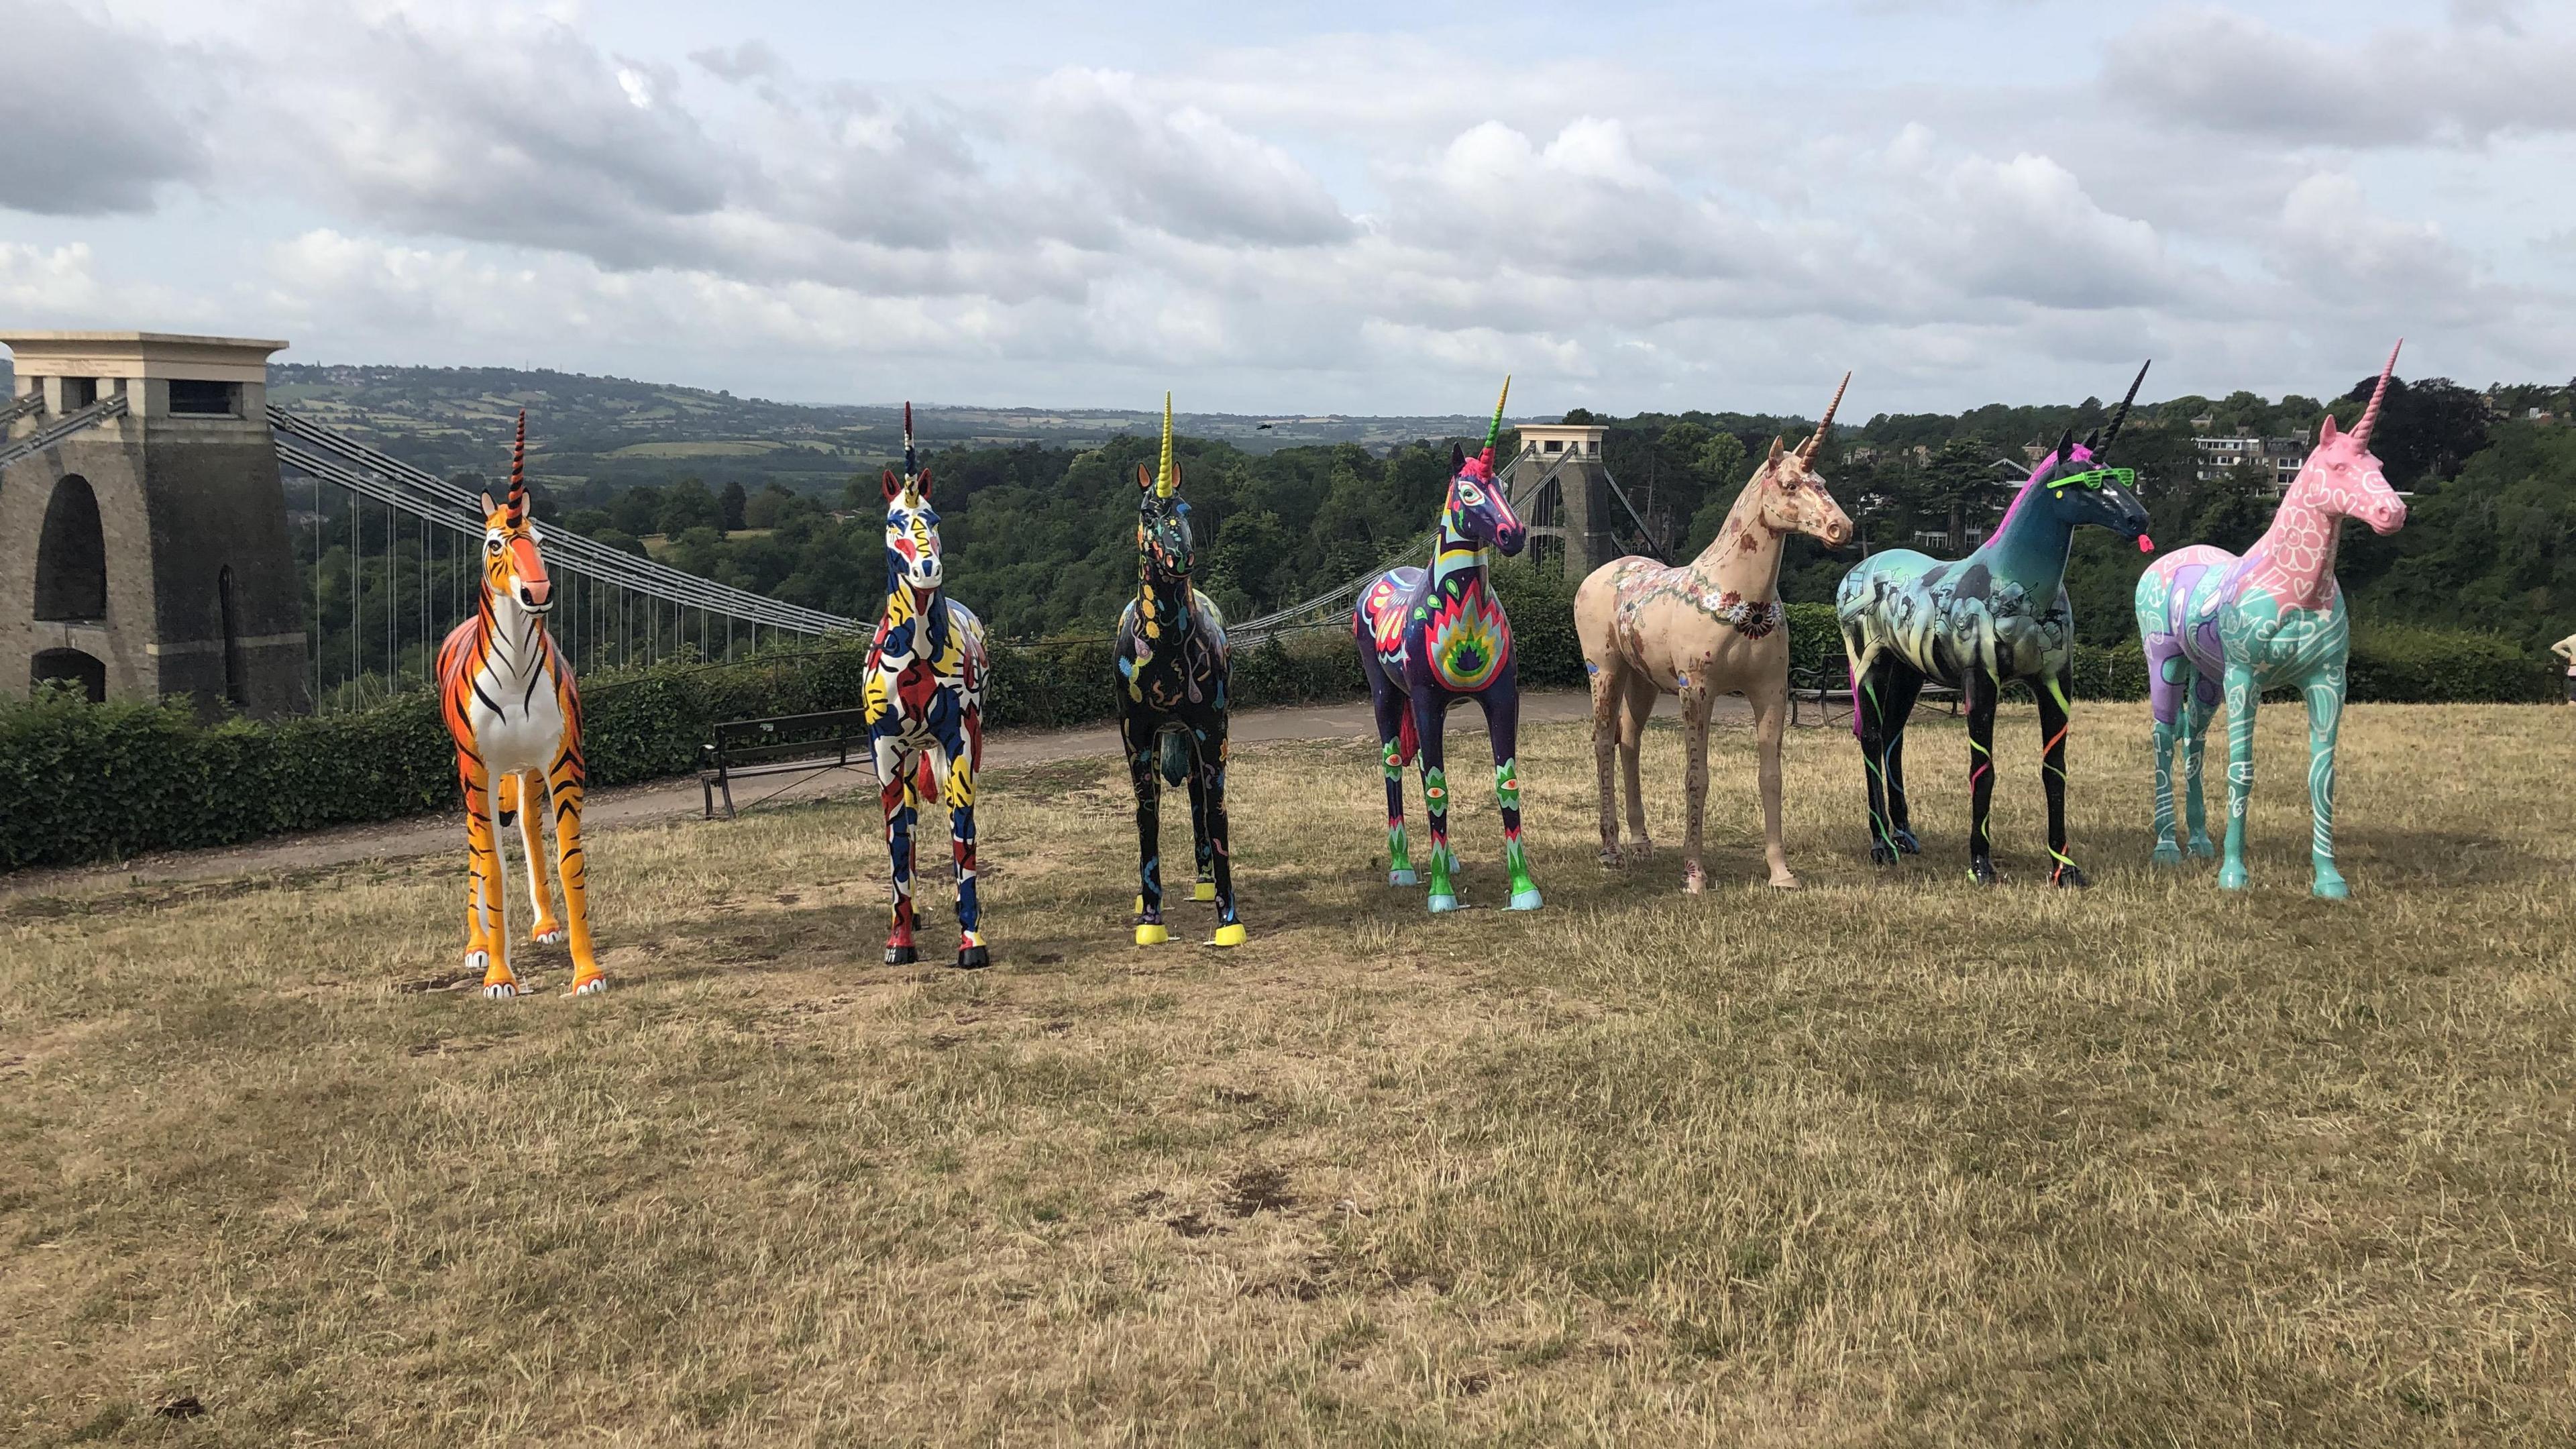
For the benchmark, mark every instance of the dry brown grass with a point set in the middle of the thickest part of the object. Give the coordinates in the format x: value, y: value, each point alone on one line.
x: 1892, y: 1160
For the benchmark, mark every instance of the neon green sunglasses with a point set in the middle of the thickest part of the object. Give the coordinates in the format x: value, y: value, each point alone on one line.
x: 2095, y: 478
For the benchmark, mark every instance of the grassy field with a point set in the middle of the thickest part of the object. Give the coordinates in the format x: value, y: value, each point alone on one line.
x: 1891, y: 1160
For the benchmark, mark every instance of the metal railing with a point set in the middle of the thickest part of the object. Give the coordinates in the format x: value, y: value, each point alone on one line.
x: 62, y: 428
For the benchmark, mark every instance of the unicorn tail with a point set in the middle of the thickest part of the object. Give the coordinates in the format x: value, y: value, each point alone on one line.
x: 1176, y: 758
x: 1407, y: 743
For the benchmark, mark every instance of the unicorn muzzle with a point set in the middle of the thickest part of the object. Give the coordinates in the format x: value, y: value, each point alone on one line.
x: 536, y: 595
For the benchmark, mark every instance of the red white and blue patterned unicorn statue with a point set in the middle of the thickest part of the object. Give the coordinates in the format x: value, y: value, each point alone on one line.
x: 1429, y: 638
x: 925, y: 698
x: 2273, y: 618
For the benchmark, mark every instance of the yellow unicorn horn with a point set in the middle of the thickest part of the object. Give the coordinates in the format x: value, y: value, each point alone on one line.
x: 1168, y: 480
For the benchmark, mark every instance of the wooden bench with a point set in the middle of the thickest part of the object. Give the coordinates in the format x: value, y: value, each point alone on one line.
x: 786, y: 745
x: 1828, y: 688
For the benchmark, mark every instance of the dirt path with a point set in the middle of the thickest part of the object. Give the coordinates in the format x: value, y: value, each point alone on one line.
x: 664, y: 800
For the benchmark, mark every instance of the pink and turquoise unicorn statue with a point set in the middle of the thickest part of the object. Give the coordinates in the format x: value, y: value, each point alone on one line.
x: 1431, y: 637
x: 2274, y: 619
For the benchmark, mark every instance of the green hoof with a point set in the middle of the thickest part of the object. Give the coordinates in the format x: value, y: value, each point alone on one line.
x: 1441, y: 905
x: 2331, y: 888
x: 2166, y: 854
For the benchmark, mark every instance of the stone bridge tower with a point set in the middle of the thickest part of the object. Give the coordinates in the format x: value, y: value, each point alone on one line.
x: 146, y: 554
x: 1561, y: 488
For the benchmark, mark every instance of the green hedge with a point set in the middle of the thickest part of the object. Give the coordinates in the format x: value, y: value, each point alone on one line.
x: 82, y: 782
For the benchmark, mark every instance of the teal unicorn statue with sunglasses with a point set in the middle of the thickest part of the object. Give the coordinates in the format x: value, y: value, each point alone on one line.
x: 1976, y: 624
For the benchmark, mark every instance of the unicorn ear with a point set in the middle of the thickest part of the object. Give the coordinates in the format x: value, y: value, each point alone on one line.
x: 2326, y: 431
x: 922, y: 487
x: 893, y: 485
x: 1457, y: 460
x: 2092, y: 440
x: 2066, y: 447
x: 1777, y: 448
x: 490, y: 507
x: 1144, y: 478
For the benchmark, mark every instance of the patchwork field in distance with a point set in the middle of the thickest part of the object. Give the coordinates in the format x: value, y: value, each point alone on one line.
x: 1891, y: 1159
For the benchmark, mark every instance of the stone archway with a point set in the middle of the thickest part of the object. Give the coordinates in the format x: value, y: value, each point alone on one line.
x: 71, y: 666
x: 71, y: 556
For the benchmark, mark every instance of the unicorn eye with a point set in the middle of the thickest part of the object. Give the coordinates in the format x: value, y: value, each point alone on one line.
x: 491, y: 545
x: 1470, y: 494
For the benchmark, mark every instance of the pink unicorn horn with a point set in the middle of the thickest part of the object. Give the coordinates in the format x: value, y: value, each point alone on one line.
x: 2370, y: 414
x: 1827, y: 424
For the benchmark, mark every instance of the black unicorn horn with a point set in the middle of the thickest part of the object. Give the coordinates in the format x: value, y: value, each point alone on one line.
x: 2122, y: 415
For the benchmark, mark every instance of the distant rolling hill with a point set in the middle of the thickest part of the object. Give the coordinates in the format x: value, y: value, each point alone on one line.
x: 613, y: 431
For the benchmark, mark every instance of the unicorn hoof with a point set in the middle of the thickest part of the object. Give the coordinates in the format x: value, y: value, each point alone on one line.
x: 1204, y: 891
x: 1528, y: 900
x: 1228, y: 936
x: 1153, y: 935
x: 2231, y: 878
x: 1786, y: 881
x: 1983, y: 872
x: 590, y: 986
x: 1905, y: 843
x: 1882, y: 855
x: 500, y: 990
x: 554, y: 937
x: 974, y: 958
x: 2069, y: 878
x: 1609, y: 857
x: 1402, y: 878
x: 1641, y: 848
x: 903, y: 955
x: 2204, y: 848
x: 1694, y: 883
x: 1443, y: 904
x: 2167, y: 854
x: 2331, y: 888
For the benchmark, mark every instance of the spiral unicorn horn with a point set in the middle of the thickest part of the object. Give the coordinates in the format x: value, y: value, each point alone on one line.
x: 1494, y: 429
x: 1166, y: 480
x: 911, y: 463
x: 518, y: 499
x: 1826, y: 425
x: 2370, y: 414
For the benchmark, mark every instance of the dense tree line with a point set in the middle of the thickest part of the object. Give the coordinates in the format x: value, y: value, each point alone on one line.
x: 1041, y: 540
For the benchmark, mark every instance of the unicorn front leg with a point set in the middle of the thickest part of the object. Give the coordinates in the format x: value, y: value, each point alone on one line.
x: 1770, y: 717
x: 1208, y: 777
x: 955, y: 771
x: 519, y: 794
x: 1138, y: 734
x: 1430, y: 715
x: 492, y: 903
x: 1205, y: 887
x: 565, y: 785
x: 2242, y: 697
x: 896, y: 795
x: 2054, y: 723
x: 2325, y: 691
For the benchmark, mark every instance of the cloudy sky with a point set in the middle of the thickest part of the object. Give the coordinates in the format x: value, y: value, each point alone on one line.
x: 1310, y: 207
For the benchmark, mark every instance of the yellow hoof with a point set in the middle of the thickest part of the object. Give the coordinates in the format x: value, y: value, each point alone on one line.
x: 1204, y: 891
x: 1228, y: 936
x: 1152, y: 935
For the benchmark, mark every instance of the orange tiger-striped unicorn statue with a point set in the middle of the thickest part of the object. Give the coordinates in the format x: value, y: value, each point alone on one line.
x: 507, y: 695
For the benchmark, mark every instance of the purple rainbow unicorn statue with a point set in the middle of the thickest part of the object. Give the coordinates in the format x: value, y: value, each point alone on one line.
x: 1431, y: 637
x: 2271, y: 619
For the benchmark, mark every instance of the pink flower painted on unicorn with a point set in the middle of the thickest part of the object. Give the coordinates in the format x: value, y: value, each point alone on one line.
x: 2273, y: 618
